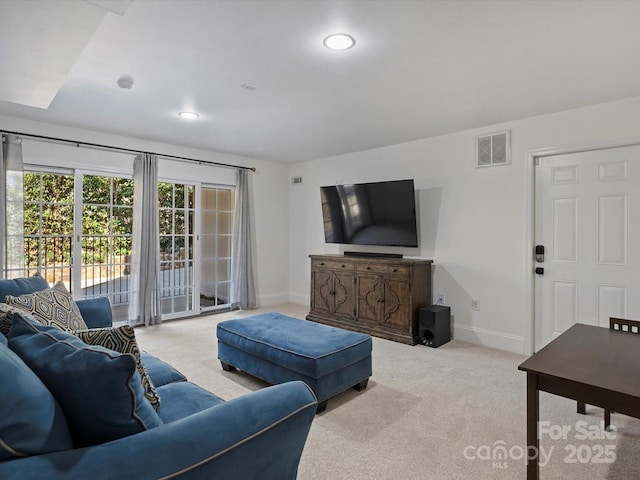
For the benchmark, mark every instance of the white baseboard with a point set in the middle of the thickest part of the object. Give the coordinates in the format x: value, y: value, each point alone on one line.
x: 478, y: 336
x: 299, y: 299
x: 276, y: 299
x: 488, y: 338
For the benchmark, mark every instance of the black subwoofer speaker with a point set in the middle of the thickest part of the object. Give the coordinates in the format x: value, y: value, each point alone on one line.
x: 434, y: 325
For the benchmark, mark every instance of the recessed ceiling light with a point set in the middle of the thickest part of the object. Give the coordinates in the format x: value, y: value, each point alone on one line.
x: 339, y: 41
x: 188, y: 115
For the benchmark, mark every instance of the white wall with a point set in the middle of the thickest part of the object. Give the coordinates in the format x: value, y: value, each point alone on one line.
x: 474, y: 223
x: 269, y: 184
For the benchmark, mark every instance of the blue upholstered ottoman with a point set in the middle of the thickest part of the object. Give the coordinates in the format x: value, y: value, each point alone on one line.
x: 278, y: 349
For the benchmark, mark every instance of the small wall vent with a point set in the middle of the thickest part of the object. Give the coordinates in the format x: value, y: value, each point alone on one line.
x: 296, y: 180
x: 493, y: 150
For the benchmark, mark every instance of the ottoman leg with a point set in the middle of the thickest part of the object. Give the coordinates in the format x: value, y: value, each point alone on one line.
x: 362, y: 385
x: 227, y: 368
x: 322, y: 406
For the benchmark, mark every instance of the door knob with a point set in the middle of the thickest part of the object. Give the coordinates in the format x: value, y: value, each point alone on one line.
x: 539, y: 271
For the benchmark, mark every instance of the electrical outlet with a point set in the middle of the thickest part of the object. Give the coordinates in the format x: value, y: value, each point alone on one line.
x: 475, y: 304
x: 440, y: 299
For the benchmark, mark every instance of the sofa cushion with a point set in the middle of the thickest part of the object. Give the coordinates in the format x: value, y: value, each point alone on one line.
x: 31, y: 421
x: 20, y: 286
x: 183, y: 399
x: 52, y: 306
x: 96, y: 311
x: 99, y: 390
x: 122, y: 340
x: 161, y: 373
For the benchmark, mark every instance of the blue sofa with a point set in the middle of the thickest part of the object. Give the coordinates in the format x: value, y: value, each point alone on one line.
x: 259, y: 435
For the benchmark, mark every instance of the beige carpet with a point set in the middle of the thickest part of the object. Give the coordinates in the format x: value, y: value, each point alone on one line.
x: 427, y: 413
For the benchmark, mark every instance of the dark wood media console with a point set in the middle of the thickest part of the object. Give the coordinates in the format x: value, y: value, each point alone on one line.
x: 378, y: 296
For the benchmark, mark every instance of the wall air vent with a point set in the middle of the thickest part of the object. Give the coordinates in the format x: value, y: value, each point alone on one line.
x: 493, y: 150
x: 296, y: 180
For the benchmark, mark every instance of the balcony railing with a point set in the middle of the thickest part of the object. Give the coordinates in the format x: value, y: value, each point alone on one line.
x: 101, y: 272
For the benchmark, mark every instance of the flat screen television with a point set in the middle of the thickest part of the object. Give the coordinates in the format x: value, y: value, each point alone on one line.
x: 379, y: 213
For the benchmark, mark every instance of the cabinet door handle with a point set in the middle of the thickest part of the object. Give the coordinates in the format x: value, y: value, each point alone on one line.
x: 368, y: 268
x: 394, y: 270
x: 321, y: 263
x: 342, y: 266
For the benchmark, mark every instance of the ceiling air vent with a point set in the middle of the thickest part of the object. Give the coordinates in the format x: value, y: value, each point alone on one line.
x: 493, y: 150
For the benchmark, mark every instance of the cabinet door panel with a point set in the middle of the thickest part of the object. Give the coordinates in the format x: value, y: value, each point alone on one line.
x: 369, y: 298
x: 396, y: 312
x: 343, y: 295
x: 322, y: 288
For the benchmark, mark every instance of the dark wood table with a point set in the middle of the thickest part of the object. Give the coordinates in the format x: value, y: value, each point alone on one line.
x: 589, y: 364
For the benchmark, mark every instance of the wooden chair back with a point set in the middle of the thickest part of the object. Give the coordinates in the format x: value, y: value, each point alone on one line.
x: 621, y: 325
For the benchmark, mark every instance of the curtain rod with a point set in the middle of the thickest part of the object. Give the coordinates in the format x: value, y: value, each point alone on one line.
x: 126, y: 150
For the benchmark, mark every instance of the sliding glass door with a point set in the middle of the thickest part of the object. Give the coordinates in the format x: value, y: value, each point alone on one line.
x: 78, y: 229
x: 177, y: 237
x: 106, y: 216
x: 48, y: 225
x: 216, y: 214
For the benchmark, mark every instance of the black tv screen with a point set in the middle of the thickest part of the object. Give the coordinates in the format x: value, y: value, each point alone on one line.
x: 380, y: 213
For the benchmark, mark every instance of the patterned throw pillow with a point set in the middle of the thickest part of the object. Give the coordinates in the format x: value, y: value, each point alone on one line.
x: 122, y: 340
x: 53, y: 307
x: 6, y: 320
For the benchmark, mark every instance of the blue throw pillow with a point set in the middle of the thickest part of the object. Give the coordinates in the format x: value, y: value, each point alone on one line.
x: 31, y: 421
x: 99, y: 390
x: 122, y: 339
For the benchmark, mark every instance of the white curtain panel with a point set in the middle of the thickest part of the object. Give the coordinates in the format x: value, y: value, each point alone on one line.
x: 144, y: 287
x: 11, y: 208
x: 243, y: 294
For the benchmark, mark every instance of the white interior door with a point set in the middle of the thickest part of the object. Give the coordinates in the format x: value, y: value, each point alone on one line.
x: 587, y: 207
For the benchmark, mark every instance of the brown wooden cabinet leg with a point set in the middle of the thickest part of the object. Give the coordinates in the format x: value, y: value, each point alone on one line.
x: 227, y: 368
x: 322, y: 406
x: 582, y: 408
x: 362, y: 385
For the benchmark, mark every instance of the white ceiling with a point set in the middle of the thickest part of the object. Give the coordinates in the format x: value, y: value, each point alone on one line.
x: 419, y: 68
